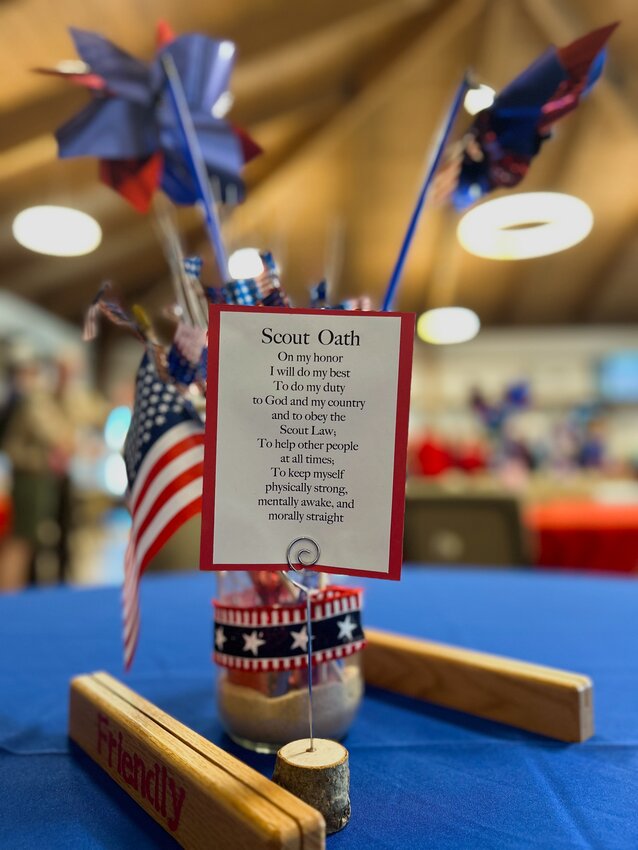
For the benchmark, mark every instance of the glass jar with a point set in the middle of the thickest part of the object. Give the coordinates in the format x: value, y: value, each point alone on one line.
x: 265, y: 709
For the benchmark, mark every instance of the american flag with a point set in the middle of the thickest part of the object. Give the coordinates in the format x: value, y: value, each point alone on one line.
x: 187, y: 355
x: 164, y: 455
x: 110, y: 307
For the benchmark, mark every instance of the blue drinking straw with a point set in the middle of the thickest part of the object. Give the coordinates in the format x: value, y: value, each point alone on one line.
x: 196, y: 163
x: 433, y: 165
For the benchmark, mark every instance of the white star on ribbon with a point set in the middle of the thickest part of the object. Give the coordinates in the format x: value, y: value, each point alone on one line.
x: 346, y: 628
x: 252, y: 642
x: 300, y: 639
x: 220, y: 638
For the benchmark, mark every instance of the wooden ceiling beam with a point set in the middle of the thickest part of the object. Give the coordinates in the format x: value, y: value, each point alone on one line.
x: 38, y: 116
x: 333, y: 57
x: 126, y: 259
x: 390, y: 70
x: 595, y: 288
x: 267, y: 28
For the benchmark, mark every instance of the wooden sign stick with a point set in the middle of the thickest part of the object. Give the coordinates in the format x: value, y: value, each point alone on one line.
x: 539, y: 699
x: 200, y: 794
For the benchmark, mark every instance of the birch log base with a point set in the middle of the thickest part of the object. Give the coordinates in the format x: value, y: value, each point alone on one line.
x: 319, y: 777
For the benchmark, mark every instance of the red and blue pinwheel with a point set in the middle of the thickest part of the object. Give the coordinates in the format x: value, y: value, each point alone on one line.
x: 130, y: 124
x: 506, y: 136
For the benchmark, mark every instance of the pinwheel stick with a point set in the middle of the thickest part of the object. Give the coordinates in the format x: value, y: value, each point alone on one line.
x: 433, y: 164
x: 196, y: 163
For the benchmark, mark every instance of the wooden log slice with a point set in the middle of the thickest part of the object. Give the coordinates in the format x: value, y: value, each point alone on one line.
x: 319, y: 777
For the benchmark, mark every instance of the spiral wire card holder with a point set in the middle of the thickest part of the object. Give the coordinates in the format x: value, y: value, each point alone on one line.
x: 319, y: 773
x: 306, y: 552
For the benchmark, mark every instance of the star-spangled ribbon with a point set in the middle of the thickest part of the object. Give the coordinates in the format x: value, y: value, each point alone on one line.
x: 275, y: 638
x: 131, y: 127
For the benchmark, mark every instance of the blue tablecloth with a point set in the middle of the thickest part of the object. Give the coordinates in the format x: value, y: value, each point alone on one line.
x: 422, y: 777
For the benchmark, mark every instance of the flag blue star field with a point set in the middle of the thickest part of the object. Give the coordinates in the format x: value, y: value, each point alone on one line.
x: 164, y: 455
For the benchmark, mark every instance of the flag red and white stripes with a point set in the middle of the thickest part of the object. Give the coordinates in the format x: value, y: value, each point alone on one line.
x: 167, y: 492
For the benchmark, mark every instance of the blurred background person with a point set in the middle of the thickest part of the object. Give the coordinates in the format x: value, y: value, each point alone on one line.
x: 38, y: 437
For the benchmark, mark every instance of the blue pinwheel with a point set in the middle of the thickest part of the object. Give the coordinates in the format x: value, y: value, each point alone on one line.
x: 506, y: 136
x: 130, y: 124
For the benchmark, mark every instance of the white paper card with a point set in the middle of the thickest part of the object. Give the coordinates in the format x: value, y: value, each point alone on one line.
x: 304, y: 434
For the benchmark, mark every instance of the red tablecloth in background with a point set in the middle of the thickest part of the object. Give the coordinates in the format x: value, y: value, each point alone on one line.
x: 586, y: 535
x: 5, y: 515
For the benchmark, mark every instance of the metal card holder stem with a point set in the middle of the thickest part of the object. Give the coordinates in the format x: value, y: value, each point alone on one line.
x: 306, y: 558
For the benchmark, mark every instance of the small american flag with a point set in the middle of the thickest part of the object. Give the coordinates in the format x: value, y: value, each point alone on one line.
x: 106, y: 303
x: 164, y: 454
x: 187, y: 355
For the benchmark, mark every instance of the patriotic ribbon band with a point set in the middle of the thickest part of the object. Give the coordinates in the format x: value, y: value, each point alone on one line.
x: 275, y: 638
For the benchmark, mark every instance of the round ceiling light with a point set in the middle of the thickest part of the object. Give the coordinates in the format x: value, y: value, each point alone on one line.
x: 519, y: 227
x: 244, y: 264
x: 448, y: 325
x: 479, y: 98
x: 58, y: 231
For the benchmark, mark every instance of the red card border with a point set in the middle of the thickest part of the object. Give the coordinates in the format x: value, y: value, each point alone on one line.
x: 406, y: 341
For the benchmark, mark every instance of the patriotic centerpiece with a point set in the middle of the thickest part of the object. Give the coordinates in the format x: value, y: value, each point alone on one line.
x: 260, y: 635
x: 164, y: 445
x: 155, y: 126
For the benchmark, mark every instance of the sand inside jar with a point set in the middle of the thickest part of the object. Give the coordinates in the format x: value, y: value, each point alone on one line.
x: 249, y: 714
